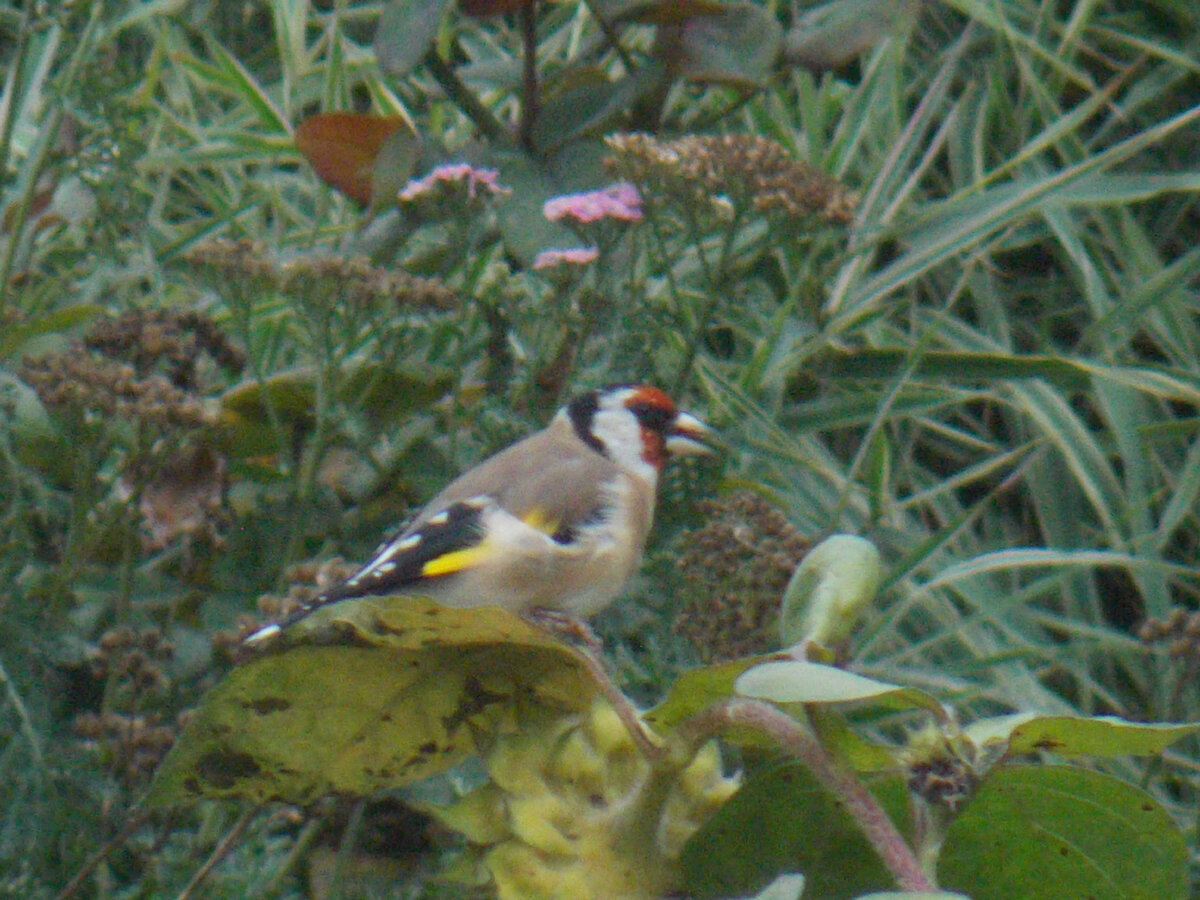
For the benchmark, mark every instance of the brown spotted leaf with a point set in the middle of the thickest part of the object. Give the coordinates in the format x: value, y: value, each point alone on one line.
x: 369, y: 694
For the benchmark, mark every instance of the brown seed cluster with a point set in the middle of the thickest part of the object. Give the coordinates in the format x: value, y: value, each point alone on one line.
x: 941, y: 774
x: 735, y: 569
x: 143, y: 365
x: 242, y: 263
x: 110, y: 389
x: 165, y: 339
x: 181, y: 495
x: 349, y: 280
x: 134, y: 744
x: 1179, y: 631
x: 747, y: 169
x: 132, y: 662
x: 134, y: 658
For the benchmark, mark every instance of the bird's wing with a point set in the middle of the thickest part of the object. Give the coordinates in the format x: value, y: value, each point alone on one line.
x: 549, y: 481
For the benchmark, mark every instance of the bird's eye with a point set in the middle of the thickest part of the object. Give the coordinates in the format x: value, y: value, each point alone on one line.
x: 652, y: 416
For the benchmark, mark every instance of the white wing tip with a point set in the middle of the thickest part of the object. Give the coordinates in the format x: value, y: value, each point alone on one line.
x: 263, y: 634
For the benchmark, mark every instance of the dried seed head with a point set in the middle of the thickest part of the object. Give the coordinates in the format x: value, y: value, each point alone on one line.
x: 749, y: 171
x: 735, y: 568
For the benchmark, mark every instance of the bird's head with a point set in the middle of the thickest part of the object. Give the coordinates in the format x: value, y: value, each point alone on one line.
x: 637, y: 427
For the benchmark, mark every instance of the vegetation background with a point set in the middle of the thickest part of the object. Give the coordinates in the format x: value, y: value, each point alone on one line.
x: 984, y: 356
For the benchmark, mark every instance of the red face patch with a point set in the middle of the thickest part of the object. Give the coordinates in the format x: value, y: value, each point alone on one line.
x: 654, y: 447
x: 652, y: 396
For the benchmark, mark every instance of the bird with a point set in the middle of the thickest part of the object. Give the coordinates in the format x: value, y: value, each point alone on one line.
x: 556, y: 523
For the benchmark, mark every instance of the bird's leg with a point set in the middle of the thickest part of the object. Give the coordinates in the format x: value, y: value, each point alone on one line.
x: 589, y: 648
x: 563, y: 625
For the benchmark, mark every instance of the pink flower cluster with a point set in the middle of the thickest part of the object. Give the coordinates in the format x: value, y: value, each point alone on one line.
x: 452, y: 174
x: 574, y: 256
x: 619, y: 201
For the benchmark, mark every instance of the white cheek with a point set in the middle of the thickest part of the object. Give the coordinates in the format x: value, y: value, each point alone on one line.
x: 622, y: 438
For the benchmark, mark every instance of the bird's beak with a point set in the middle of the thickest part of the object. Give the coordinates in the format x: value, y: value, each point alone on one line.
x: 689, y: 436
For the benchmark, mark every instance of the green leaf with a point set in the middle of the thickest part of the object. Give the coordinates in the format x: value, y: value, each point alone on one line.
x: 56, y: 321
x: 1036, y: 832
x: 34, y: 435
x: 830, y: 588
x: 794, y: 681
x: 1076, y: 735
x: 832, y: 34
x: 913, y: 895
x: 738, y: 46
x: 405, y: 32
x: 590, y: 104
x: 407, y: 693
x: 525, y: 229
x: 385, y: 392
x: 701, y: 687
x: 782, y: 821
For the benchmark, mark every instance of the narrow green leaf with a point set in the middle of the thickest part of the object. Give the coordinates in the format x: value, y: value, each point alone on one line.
x: 238, y: 80
x: 56, y: 321
x: 969, y: 217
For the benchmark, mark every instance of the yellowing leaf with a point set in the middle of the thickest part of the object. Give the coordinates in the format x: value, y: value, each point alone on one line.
x: 409, y: 689
x: 1077, y: 735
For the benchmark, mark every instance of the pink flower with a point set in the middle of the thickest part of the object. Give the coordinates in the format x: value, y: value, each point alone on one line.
x: 617, y: 201
x: 451, y: 174
x: 576, y: 256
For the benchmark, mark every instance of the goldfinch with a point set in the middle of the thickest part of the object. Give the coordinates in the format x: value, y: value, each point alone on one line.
x: 557, y: 522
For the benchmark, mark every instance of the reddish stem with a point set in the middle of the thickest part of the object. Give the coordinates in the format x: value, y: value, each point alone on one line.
x: 799, y: 742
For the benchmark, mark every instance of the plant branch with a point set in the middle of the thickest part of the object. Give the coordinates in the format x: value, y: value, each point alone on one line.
x: 466, y: 101
x: 530, y: 102
x: 132, y: 824
x: 798, y: 741
x: 219, y: 853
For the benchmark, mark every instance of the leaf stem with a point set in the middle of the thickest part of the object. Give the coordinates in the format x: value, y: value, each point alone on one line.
x: 798, y: 741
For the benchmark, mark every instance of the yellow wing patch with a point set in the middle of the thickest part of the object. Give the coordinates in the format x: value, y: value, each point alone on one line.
x: 468, y: 557
x: 455, y: 561
x: 538, y: 519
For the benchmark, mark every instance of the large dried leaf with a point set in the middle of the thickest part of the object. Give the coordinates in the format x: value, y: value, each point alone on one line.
x: 366, y: 157
x: 366, y: 695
